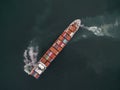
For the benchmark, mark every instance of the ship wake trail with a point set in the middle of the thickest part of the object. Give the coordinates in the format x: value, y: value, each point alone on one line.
x: 96, y: 30
x: 30, y: 56
x: 106, y: 25
x: 109, y: 30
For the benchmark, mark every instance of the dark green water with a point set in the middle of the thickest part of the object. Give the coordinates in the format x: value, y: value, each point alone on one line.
x: 85, y: 64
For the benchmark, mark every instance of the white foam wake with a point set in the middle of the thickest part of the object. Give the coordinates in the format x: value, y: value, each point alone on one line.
x: 104, y: 30
x: 30, y: 56
x: 96, y: 30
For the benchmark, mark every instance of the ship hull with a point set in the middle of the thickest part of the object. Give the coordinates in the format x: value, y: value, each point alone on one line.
x: 55, y: 49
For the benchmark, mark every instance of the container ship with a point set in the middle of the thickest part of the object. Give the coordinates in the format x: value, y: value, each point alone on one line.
x: 54, y: 50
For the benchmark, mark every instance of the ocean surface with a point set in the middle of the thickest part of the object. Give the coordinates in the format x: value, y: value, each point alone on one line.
x: 90, y: 61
